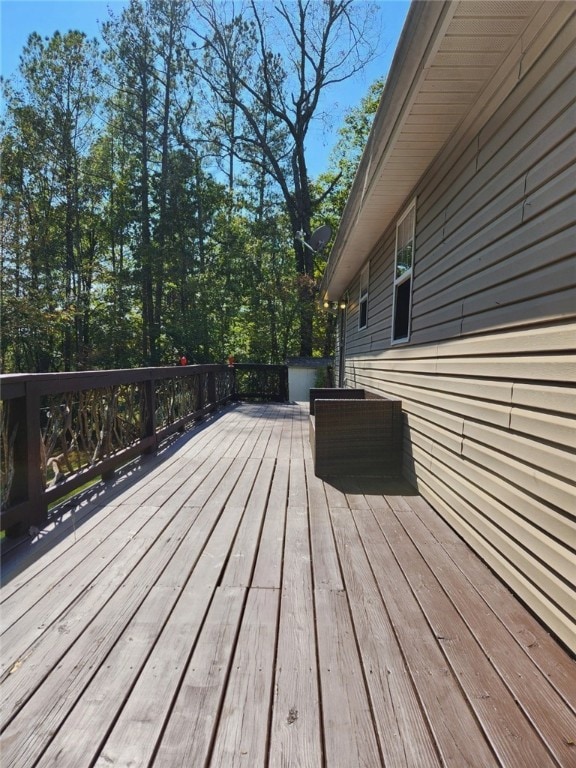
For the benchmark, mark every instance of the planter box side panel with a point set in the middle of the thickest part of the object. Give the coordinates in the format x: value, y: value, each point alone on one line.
x: 358, y: 437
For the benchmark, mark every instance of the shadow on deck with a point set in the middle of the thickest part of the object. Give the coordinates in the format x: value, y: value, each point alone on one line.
x: 219, y: 605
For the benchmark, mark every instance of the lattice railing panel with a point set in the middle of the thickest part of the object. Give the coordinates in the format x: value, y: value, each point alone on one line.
x: 177, y: 398
x: 224, y: 384
x: 261, y: 382
x: 81, y: 429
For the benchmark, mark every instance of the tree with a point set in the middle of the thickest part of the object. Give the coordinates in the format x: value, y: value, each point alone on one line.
x: 52, y: 122
x: 343, y: 164
x: 195, y: 279
x: 345, y: 157
x: 171, y: 218
x: 273, y: 64
x: 168, y: 19
x: 115, y: 329
x: 147, y: 54
x: 132, y: 60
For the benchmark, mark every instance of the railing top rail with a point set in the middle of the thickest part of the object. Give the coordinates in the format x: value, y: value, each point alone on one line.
x: 12, y: 384
x: 167, y: 370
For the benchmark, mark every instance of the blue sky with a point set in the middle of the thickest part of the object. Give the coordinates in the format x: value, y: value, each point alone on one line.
x: 19, y: 18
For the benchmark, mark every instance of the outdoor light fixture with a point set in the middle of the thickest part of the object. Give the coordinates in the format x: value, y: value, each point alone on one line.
x: 334, y: 305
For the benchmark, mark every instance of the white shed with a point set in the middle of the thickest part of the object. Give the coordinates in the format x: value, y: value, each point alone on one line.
x: 307, y: 372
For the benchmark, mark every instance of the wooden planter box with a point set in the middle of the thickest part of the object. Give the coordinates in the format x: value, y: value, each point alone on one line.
x: 356, y: 436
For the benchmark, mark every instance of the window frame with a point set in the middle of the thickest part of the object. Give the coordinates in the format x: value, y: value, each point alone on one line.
x: 405, y: 277
x: 363, y: 296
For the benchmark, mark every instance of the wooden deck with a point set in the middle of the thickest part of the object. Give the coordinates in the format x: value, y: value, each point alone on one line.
x: 219, y: 605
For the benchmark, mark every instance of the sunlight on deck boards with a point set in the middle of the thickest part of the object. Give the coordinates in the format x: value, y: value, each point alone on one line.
x: 219, y: 605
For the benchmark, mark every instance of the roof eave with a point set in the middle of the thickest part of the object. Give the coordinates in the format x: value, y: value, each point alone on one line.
x: 422, y: 21
x: 448, y: 65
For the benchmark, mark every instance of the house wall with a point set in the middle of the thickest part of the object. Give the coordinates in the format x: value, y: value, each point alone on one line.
x: 488, y: 378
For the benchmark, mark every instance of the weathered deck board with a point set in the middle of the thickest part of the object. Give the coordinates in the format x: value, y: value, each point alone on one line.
x: 268, y: 569
x: 528, y: 686
x: 241, y: 563
x: 66, y: 577
x: 90, y: 514
x: 61, y: 679
x: 404, y: 736
x: 190, y: 729
x: 221, y: 606
x: 242, y: 734
x: 110, y: 562
x: 327, y: 573
x: 457, y: 733
x: 508, y: 732
x: 547, y: 655
x: 347, y: 717
x: 295, y: 735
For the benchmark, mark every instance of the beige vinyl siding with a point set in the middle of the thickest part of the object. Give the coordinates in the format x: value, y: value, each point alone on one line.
x: 488, y: 379
x: 510, y: 193
x: 380, y: 298
x: 502, y: 240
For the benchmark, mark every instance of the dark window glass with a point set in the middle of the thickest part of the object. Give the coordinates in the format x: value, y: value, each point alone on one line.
x: 402, y: 310
x: 363, y: 322
x: 404, y: 260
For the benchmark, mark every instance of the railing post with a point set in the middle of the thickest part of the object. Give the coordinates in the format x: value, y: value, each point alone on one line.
x: 37, y: 509
x: 24, y: 451
x: 284, y: 384
x: 17, y: 434
x: 201, y: 402
x: 149, y: 414
x: 211, y: 386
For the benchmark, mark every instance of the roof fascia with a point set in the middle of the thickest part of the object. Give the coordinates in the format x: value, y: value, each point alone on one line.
x: 421, y: 35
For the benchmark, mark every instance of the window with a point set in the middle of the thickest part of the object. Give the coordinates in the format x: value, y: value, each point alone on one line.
x: 363, y: 299
x: 403, y: 275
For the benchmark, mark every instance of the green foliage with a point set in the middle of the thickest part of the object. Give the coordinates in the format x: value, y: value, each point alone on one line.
x: 346, y: 155
x: 151, y: 191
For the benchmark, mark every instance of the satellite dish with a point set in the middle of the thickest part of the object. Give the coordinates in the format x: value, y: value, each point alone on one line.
x: 318, y: 238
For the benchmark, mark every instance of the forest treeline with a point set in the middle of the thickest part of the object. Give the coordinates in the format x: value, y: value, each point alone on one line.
x: 154, y: 182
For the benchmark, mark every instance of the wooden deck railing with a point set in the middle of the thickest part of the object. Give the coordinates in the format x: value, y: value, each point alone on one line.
x: 255, y: 381
x: 61, y: 430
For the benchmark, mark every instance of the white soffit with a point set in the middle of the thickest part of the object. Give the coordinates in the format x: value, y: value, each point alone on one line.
x: 466, y: 44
